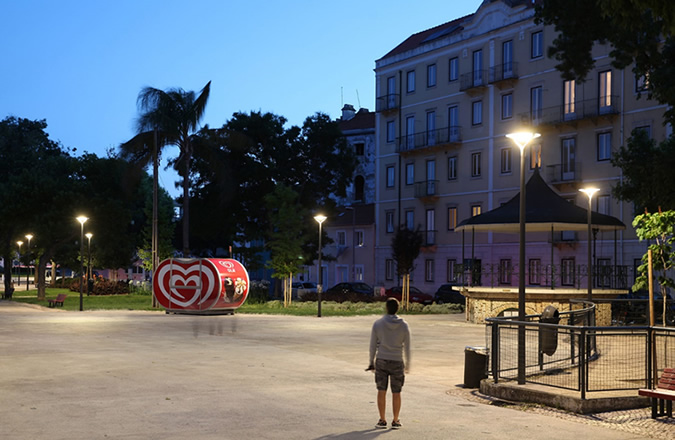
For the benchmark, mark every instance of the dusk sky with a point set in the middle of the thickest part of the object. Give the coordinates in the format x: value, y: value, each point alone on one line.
x: 81, y: 64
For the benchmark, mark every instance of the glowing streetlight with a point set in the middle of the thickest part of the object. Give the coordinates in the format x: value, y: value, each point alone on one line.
x: 28, y: 237
x: 521, y: 139
x: 19, y: 243
x: 319, y: 288
x: 589, y: 192
x: 82, y: 219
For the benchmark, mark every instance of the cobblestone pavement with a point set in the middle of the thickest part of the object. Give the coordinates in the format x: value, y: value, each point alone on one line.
x: 634, y: 421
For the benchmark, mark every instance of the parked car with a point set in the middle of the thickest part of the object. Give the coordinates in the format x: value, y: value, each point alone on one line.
x: 349, y: 287
x: 301, y: 288
x: 449, y: 294
x: 416, y: 295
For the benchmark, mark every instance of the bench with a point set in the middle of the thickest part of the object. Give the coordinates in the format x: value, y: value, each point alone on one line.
x: 58, y: 301
x: 663, y: 395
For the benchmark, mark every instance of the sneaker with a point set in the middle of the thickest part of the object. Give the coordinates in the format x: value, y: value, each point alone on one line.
x: 381, y: 424
x: 396, y: 424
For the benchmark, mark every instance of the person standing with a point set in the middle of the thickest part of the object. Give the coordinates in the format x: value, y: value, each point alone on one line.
x: 389, y: 341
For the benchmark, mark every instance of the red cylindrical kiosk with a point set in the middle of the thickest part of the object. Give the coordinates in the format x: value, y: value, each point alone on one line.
x: 205, y: 285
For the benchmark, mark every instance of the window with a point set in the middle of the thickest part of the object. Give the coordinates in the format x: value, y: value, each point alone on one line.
x: 429, y: 270
x: 410, y: 132
x: 475, y: 210
x: 505, y: 271
x: 390, y: 177
x: 506, y: 160
x: 536, y: 102
x: 430, y: 237
x: 477, y: 68
x: 453, y: 69
x: 475, y: 165
x: 409, y: 173
x: 341, y: 238
x: 568, y: 166
x: 537, y: 46
x: 431, y: 177
x: 358, y: 272
x: 569, y: 100
x: 452, y: 270
x: 431, y: 128
x: 507, y: 106
x: 452, y: 218
x: 603, y: 204
x: 410, y: 219
x: 452, y: 168
x: 389, y: 269
x: 410, y: 81
x: 391, y: 131
x: 641, y: 83
x: 453, y: 123
x: 535, y: 271
x: 605, y: 89
x: 603, y: 268
x: 359, y: 238
x: 646, y: 128
x: 567, y: 272
x: 507, y: 59
x: 431, y: 75
x: 477, y: 113
x: 390, y: 221
x: 359, y: 148
x: 535, y: 156
x: 604, y: 146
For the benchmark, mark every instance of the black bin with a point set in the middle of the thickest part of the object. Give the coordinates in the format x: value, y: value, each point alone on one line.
x: 548, y: 337
x: 475, y: 366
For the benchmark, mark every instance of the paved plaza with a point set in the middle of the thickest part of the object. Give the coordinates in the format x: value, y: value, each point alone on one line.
x: 148, y: 375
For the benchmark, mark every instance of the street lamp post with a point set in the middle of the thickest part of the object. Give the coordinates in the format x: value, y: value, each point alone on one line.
x: 319, y: 288
x: 589, y: 192
x: 521, y: 139
x: 28, y: 237
x: 82, y: 219
x: 18, y: 272
x: 88, y: 235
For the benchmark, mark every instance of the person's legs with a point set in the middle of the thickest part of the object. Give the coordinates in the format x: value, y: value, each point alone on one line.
x: 396, y: 405
x: 382, y: 403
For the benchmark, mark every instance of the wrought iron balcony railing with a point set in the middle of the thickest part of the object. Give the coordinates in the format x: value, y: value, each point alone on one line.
x: 432, y: 138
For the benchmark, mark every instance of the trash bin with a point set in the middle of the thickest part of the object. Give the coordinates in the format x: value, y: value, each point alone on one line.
x: 475, y: 366
x: 548, y: 337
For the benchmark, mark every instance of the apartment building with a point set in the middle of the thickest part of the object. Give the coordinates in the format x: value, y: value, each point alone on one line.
x: 447, y: 96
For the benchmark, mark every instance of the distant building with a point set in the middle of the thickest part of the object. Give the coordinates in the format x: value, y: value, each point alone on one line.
x: 447, y: 96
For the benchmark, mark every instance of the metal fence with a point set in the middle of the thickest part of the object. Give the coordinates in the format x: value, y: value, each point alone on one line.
x: 576, y: 355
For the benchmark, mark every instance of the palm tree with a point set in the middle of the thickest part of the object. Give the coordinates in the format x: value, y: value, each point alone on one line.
x: 168, y: 118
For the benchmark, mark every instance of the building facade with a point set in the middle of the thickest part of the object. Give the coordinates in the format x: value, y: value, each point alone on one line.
x: 445, y: 100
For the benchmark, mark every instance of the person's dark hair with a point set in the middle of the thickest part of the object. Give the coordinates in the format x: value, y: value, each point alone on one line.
x: 392, y: 306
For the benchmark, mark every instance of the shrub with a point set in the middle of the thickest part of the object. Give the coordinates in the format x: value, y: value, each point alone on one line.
x: 258, y: 292
x: 101, y: 286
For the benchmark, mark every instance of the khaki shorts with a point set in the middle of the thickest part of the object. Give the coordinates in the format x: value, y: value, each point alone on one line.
x: 386, y: 369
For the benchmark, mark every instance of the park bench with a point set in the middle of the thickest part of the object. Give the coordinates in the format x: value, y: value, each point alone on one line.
x: 58, y: 301
x: 663, y: 395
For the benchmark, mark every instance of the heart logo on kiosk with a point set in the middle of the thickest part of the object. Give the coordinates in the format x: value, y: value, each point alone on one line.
x: 186, y: 285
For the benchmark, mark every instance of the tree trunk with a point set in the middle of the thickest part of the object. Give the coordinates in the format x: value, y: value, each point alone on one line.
x: 40, y: 269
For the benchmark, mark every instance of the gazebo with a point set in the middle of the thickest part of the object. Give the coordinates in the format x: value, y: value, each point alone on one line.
x: 546, y: 211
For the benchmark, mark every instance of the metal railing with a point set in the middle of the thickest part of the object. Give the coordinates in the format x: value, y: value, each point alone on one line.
x: 477, y: 78
x: 503, y: 72
x: 426, y: 188
x: 391, y: 101
x: 573, y: 111
x: 577, y: 355
x: 560, y: 173
x: 431, y: 138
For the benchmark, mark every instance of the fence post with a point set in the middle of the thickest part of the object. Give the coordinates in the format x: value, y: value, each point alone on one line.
x: 582, y: 363
x: 650, y: 351
x: 494, y: 351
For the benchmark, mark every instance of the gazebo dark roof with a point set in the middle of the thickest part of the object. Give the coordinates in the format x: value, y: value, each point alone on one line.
x: 545, y: 209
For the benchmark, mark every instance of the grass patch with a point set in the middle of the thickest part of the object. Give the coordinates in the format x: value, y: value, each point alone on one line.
x: 297, y: 308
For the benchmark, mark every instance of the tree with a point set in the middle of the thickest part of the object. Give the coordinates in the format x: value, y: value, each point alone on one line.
x: 659, y: 227
x: 647, y: 171
x: 639, y: 31
x: 171, y: 117
x: 405, y: 246
x: 288, y: 232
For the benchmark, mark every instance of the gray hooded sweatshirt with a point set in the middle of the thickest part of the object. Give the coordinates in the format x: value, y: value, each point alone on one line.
x: 389, y: 338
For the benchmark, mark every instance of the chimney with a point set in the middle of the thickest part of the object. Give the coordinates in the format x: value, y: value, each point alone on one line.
x: 348, y: 112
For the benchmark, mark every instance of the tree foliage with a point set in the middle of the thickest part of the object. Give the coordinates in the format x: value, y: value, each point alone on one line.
x: 659, y: 227
x: 647, y: 169
x: 405, y: 246
x: 639, y: 31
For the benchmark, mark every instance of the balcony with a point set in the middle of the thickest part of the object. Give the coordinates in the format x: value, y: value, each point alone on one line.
x: 429, y: 140
x: 573, y: 113
x: 427, y: 190
x: 504, y: 75
x: 473, y: 82
x: 565, y: 177
x: 388, y: 103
